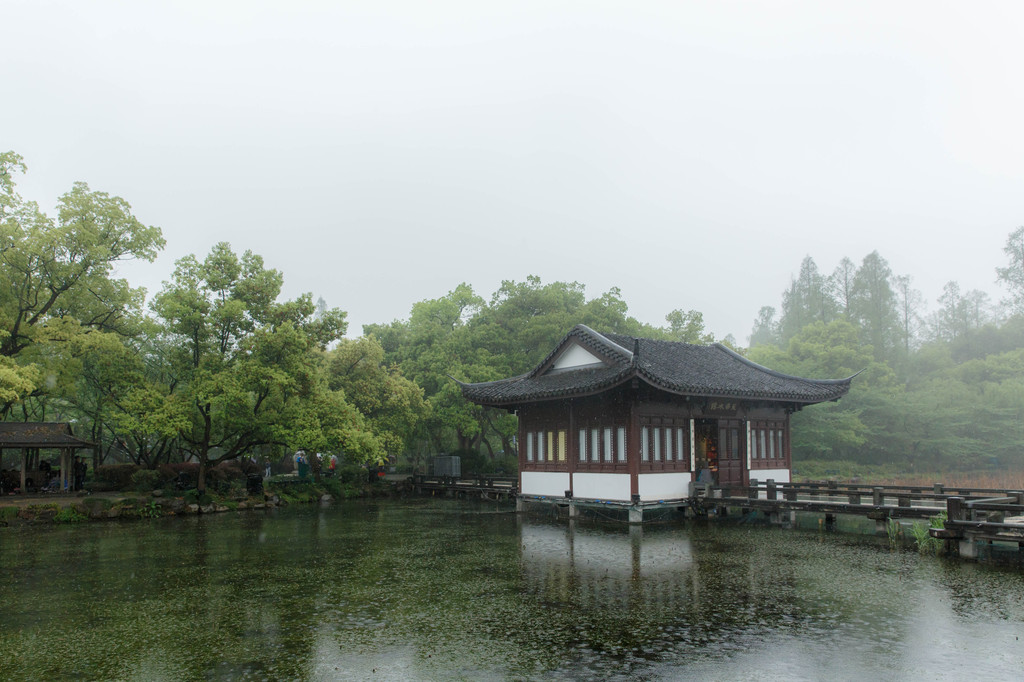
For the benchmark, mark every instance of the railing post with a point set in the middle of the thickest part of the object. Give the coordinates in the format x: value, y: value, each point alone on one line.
x: 877, y: 496
x: 791, y: 494
x: 937, y: 488
x: 955, y: 509
x: 772, y: 493
x: 854, y: 497
x: 903, y: 501
x: 752, y: 489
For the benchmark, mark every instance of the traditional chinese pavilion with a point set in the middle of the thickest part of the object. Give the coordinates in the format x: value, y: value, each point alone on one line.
x: 618, y: 419
x: 30, y: 438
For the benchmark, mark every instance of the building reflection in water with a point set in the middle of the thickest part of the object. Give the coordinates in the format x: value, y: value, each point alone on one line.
x: 608, y: 567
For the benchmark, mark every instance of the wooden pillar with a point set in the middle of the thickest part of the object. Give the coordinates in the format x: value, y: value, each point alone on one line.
x: 693, y: 452
x: 521, y: 454
x: 24, y: 464
x: 633, y: 447
x: 746, y: 454
x: 573, y: 453
x: 968, y: 547
x: 746, y: 444
x: 69, y: 457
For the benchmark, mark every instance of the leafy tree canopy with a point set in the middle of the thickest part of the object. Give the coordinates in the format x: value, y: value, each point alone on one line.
x: 55, y: 268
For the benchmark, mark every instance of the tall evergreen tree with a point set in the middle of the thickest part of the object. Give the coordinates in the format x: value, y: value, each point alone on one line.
x: 873, y: 305
x: 840, y: 284
x: 959, y: 313
x: 909, y: 303
x: 766, y: 328
x: 807, y: 300
x: 1012, y: 276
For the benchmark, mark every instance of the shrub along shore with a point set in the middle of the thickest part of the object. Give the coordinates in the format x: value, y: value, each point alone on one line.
x: 123, y: 493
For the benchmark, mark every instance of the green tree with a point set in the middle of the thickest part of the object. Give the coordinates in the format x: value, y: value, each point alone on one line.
x: 873, y: 306
x: 766, y: 329
x: 806, y: 300
x: 460, y: 336
x: 688, y: 327
x: 909, y: 303
x: 959, y: 314
x: 840, y: 285
x: 123, y: 390
x: 393, y: 406
x: 247, y: 366
x: 849, y: 428
x: 1012, y: 276
x: 51, y: 269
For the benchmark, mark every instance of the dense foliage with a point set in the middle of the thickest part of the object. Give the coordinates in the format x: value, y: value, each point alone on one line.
x: 938, y: 391
x: 220, y: 369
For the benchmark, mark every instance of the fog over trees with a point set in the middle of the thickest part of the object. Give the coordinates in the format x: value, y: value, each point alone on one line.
x: 940, y: 389
x: 217, y: 366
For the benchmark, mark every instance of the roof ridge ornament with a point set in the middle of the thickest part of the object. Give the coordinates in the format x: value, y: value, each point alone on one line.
x: 636, y: 350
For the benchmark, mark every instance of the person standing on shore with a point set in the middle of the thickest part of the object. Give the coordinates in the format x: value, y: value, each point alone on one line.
x: 79, y: 471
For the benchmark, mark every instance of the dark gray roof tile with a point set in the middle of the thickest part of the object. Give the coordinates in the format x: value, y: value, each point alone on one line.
x: 39, y: 435
x: 681, y: 368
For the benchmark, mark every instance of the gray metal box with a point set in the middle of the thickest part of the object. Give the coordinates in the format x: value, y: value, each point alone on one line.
x: 448, y: 465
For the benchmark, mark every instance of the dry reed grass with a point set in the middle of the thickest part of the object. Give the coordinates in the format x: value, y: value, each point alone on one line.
x: 1004, y: 480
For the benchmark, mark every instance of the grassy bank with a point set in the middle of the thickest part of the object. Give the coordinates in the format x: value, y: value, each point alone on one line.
x: 889, y: 474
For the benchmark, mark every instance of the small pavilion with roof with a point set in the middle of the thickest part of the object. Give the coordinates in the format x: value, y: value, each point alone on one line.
x: 31, y: 437
x: 617, y: 419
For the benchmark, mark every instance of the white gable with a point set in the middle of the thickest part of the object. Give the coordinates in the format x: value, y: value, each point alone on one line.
x: 576, y: 356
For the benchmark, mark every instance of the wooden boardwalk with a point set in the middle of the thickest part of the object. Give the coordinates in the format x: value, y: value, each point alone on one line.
x: 485, y: 487
x: 973, y: 515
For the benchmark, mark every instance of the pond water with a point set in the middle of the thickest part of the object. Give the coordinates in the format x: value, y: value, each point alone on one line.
x: 439, y: 589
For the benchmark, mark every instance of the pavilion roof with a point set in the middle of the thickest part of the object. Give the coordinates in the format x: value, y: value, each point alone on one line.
x: 39, y: 435
x: 712, y: 371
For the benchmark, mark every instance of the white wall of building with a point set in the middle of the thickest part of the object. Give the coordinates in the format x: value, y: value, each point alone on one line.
x: 576, y: 356
x: 601, y: 486
x: 545, y: 483
x: 762, y: 475
x: 668, y: 486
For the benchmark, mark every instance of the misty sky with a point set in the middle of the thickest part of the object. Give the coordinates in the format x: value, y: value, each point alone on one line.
x: 379, y: 153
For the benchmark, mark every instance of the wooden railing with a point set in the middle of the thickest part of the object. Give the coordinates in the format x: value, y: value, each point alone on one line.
x: 889, y: 501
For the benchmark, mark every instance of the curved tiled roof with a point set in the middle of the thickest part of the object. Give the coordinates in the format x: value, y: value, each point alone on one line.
x: 39, y: 435
x: 681, y: 368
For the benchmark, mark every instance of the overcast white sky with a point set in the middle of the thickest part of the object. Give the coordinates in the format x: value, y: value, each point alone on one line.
x: 379, y: 153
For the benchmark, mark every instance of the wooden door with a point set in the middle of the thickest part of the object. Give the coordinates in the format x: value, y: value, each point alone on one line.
x: 731, y: 460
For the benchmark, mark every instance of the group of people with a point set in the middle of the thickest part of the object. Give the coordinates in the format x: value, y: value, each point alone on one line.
x: 48, y: 479
x: 77, y: 478
x: 302, y: 463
